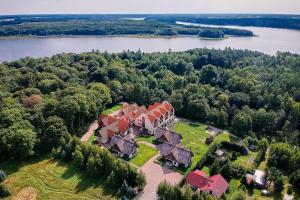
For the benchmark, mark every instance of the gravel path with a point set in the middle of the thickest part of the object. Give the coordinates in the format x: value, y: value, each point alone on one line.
x: 93, y: 126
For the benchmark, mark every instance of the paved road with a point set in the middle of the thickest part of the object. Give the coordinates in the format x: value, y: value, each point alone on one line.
x: 93, y: 126
x: 155, y: 174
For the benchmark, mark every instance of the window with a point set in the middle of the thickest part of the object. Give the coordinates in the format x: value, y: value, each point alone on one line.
x: 155, y: 122
x: 161, y: 119
x: 143, y: 121
x: 167, y: 115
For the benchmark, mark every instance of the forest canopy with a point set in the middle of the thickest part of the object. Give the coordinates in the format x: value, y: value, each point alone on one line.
x: 250, y: 93
x: 46, y: 25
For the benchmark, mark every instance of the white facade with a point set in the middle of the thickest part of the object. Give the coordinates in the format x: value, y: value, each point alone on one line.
x: 159, y: 122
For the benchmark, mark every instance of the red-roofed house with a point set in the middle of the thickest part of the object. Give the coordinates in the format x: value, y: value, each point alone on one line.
x: 158, y: 115
x: 215, y: 184
x: 119, y: 122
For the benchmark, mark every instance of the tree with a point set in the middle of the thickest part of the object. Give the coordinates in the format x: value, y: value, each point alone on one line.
x: 90, y: 165
x: 277, y: 178
x: 295, y: 178
x: 54, y: 129
x: 4, y: 192
x: 2, y: 176
x: 78, y: 158
x: 279, y: 156
x: 242, y: 123
x: 18, y: 140
x: 209, y: 74
x: 238, y: 195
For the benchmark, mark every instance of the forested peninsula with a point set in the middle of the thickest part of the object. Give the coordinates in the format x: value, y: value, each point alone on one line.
x: 54, y: 25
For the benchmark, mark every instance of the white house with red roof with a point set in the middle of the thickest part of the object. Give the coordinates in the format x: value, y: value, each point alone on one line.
x: 215, y: 184
x: 158, y: 115
x: 119, y: 122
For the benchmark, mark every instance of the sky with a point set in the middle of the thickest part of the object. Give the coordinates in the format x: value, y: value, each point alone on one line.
x: 147, y: 6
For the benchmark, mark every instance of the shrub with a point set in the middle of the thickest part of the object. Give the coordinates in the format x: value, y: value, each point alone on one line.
x: 4, y: 192
x: 2, y: 176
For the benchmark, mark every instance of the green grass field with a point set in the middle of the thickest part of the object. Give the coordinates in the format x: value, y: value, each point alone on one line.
x: 246, y: 161
x: 146, y: 138
x: 194, y: 136
x: 144, y: 154
x: 52, y: 179
x: 112, y: 109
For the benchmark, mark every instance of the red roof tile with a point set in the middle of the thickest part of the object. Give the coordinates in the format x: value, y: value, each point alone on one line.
x: 110, y: 133
x: 151, y: 118
x: 216, y: 184
x: 123, y: 124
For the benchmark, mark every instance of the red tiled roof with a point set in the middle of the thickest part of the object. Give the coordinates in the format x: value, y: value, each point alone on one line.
x: 151, y: 118
x: 197, y: 178
x: 168, y: 106
x: 216, y: 184
x: 155, y: 105
x: 110, y: 133
x: 111, y: 119
x: 102, y: 116
x: 123, y: 124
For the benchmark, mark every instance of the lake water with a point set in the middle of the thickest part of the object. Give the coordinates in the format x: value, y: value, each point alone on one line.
x: 268, y: 40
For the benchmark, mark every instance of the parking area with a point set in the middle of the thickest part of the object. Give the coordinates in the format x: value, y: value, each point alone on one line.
x: 156, y: 174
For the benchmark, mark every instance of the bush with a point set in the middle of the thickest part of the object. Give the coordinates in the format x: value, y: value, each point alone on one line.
x: 259, y: 157
x: 2, y: 176
x: 234, y: 147
x: 4, y: 192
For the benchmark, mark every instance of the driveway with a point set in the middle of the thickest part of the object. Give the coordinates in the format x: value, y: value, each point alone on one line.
x: 93, y: 126
x: 156, y: 174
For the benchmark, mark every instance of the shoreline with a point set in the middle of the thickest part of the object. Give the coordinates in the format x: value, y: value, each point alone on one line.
x: 129, y: 36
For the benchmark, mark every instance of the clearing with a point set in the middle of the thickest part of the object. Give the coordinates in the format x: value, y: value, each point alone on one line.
x: 52, y: 179
x: 193, y: 136
x: 144, y: 154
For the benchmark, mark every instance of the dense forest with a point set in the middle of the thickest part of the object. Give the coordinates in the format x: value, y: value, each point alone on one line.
x: 250, y: 93
x: 104, y: 25
x: 258, y: 20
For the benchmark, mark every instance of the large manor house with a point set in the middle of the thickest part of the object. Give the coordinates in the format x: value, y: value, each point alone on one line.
x: 133, y: 117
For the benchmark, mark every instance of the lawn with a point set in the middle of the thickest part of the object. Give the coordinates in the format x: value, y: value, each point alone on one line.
x: 146, y: 138
x: 247, y: 160
x: 193, y: 136
x: 112, y: 109
x: 91, y: 139
x: 51, y: 179
x: 144, y: 154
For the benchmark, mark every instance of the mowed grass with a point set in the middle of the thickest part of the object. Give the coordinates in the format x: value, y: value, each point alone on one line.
x: 54, y: 179
x: 91, y: 139
x: 144, y: 154
x: 146, y: 138
x: 247, y: 160
x: 193, y: 136
x: 112, y: 109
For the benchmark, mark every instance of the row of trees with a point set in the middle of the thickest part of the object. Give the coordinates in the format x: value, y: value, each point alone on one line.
x: 167, y: 191
x: 74, y: 26
x: 98, y: 162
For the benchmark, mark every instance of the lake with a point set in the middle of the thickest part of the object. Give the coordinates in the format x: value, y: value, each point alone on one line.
x: 268, y: 40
